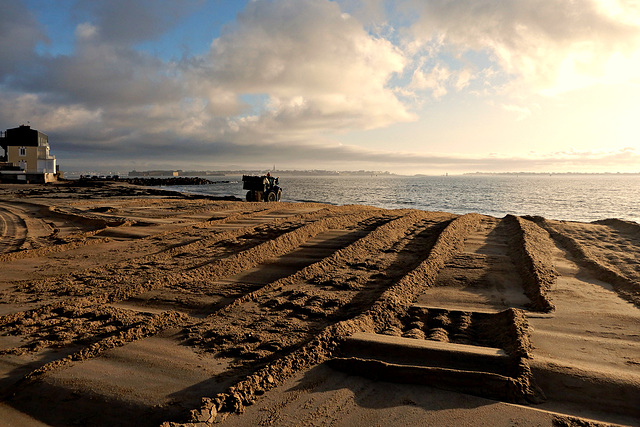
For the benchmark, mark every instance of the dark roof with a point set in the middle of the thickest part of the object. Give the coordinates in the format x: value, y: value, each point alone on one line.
x: 22, y: 135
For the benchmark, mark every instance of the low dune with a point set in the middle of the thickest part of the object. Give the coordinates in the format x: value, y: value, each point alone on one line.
x: 124, y: 305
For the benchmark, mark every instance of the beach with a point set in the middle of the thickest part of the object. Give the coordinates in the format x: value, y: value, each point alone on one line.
x: 129, y: 305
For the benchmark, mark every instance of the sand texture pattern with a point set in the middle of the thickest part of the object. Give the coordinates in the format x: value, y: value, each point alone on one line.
x: 126, y: 305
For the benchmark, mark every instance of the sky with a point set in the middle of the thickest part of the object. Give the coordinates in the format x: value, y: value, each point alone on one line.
x: 406, y: 86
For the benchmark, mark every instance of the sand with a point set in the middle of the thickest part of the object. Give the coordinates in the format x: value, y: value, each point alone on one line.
x: 124, y: 305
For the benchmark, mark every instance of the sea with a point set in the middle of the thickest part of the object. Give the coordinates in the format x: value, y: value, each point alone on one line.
x: 568, y: 197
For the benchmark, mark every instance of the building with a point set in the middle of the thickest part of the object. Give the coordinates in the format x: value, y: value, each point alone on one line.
x: 26, y: 156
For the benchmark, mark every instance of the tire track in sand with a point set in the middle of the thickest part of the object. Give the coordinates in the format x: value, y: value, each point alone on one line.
x: 139, y: 270
x: 483, y: 276
x: 276, y: 315
x: 310, y: 335
x: 14, y: 231
x: 53, y: 366
x: 610, y: 249
x: 585, y: 355
x: 45, y: 314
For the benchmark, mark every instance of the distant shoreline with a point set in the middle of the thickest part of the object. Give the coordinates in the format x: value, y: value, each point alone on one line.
x: 311, y: 172
x: 329, y: 173
x: 553, y: 173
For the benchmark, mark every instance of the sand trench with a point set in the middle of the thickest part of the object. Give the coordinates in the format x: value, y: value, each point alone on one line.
x: 124, y: 305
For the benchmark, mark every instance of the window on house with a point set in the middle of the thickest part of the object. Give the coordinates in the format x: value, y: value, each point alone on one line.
x: 22, y: 151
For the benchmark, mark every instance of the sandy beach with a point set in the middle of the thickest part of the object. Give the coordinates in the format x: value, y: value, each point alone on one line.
x: 126, y: 305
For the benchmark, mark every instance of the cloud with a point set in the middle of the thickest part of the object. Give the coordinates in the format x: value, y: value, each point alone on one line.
x: 521, y: 111
x: 439, y: 78
x: 284, y: 71
x: 127, y: 22
x: 19, y: 35
x: 435, y: 80
x: 290, y: 77
x: 56, y: 118
x: 318, y: 66
x: 190, y: 155
x: 544, y: 43
x: 103, y: 75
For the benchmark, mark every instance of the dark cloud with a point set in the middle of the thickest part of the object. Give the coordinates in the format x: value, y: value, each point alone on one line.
x: 105, y: 70
x: 103, y: 75
x: 189, y: 154
x: 129, y: 22
x: 19, y: 35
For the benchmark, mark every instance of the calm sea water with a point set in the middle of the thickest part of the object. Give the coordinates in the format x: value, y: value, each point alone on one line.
x: 566, y: 197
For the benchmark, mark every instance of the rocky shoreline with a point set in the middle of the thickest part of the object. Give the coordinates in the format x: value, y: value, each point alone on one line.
x: 183, y: 180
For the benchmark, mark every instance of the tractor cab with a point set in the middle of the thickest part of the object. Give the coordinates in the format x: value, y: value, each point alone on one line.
x: 262, y: 188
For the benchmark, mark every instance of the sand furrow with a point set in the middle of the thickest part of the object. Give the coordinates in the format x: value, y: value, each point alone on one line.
x: 485, y: 274
x: 584, y: 354
x: 616, y: 262
x: 196, y: 309
x: 391, y: 302
x: 530, y: 248
x: 138, y: 230
x: 147, y: 267
x: 14, y: 230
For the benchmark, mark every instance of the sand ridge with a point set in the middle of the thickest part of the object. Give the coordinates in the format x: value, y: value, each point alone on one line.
x: 109, y: 290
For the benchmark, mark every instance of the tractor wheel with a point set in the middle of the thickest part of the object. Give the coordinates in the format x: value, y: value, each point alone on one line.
x: 272, y: 197
x: 279, y: 194
x: 250, y: 197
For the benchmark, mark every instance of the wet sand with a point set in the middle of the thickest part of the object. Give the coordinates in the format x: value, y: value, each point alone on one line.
x: 123, y: 305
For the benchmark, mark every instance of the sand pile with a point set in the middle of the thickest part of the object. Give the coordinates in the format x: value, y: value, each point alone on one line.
x: 125, y: 305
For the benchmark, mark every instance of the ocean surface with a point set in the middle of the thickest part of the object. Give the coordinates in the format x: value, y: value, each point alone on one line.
x: 565, y: 197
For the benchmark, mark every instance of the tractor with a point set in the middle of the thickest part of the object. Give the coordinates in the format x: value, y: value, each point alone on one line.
x: 261, y: 188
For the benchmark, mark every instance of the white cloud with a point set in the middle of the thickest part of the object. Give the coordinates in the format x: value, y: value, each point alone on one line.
x: 463, y: 79
x: 309, y: 50
x: 54, y: 118
x: 521, y: 111
x: 550, y: 45
x: 435, y: 80
x: 86, y: 31
x: 439, y: 78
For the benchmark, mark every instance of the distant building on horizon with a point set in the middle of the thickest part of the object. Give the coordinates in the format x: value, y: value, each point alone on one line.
x: 26, y: 156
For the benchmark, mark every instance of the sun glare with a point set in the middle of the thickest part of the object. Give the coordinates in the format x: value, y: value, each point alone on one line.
x: 627, y: 122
